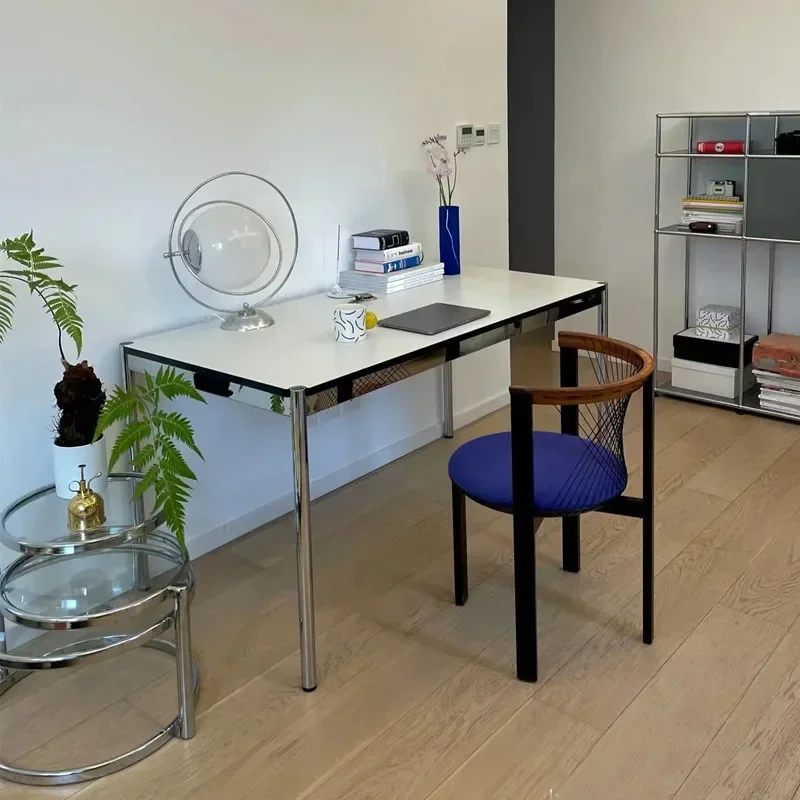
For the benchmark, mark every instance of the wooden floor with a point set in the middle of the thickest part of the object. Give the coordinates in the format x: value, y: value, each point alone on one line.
x: 417, y: 698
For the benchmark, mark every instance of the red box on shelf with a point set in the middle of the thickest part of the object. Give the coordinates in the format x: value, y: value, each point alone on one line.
x: 727, y: 147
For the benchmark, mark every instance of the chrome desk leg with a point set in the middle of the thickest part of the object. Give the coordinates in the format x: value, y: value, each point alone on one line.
x: 302, y: 510
x: 183, y: 653
x: 141, y: 564
x: 602, y: 314
x: 447, y: 398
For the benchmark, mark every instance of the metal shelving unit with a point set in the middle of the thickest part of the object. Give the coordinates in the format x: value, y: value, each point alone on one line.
x: 747, y: 401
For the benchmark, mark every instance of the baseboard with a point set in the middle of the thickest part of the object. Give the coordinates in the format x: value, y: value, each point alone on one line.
x: 469, y: 415
x: 221, y: 535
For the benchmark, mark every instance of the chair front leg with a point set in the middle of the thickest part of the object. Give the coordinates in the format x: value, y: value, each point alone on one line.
x: 460, y: 569
x: 648, y: 524
x: 525, y: 598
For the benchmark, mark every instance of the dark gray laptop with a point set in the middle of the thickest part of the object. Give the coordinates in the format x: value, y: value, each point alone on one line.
x: 433, y: 319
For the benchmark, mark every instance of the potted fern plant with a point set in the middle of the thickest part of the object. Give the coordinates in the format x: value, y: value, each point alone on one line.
x: 155, y: 436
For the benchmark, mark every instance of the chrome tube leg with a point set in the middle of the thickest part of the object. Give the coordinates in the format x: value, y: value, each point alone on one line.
x: 743, y: 268
x: 687, y: 244
x: 602, y: 313
x: 141, y: 564
x: 3, y: 647
x: 770, y: 286
x: 447, y: 398
x: 656, y: 240
x: 302, y: 510
x: 183, y: 652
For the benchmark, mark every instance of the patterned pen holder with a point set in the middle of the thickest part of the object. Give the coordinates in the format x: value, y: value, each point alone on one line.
x: 350, y: 323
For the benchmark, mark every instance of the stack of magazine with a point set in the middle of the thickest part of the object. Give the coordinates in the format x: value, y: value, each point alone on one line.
x: 778, y: 392
x: 390, y: 282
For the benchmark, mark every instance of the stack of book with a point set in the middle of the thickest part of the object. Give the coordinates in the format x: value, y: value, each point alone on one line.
x: 386, y: 262
x: 727, y: 213
x: 777, y: 361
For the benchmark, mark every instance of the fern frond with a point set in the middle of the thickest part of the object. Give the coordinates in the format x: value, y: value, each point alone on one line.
x: 149, y: 479
x: 177, y: 426
x: 135, y: 431
x: 172, y: 494
x: 118, y: 408
x: 144, y: 456
x: 173, y: 384
x: 57, y: 295
x: 173, y: 459
x: 6, y: 308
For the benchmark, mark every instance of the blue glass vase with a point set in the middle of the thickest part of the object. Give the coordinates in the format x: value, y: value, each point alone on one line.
x: 450, y: 239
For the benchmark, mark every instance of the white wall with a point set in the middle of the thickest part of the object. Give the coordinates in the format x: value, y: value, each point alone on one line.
x: 618, y: 64
x: 111, y: 112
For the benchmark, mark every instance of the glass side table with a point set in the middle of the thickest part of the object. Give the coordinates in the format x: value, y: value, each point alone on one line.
x: 125, y: 575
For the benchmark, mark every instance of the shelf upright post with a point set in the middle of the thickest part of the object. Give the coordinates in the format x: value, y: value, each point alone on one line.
x: 688, y: 239
x: 743, y: 268
x: 656, y: 241
x: 771, y: 285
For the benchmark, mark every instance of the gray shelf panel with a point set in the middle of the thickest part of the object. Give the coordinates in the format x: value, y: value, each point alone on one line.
x: 693, y: 154
x: 677, y: 230
x: 771, y: 241
x: 726, y: 114
x: 668, y: 390
x: 750, y: 403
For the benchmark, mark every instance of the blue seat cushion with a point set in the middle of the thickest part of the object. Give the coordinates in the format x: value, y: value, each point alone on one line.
x: 570, y: 474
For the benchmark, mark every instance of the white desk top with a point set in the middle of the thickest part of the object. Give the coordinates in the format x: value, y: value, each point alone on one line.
x: 299, y: 350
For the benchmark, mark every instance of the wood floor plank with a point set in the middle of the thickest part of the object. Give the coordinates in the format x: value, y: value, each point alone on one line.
x: 409, y: 759
x: 754, y: 755
x: 770, y: 587
x: 609, y: 672
x: 764, y: 508
x: 746, y: 459
x: 535, y: 751
x: 115, y: 730
x: 653, y: 746
x: 39, y: 718
x: 343, y: 724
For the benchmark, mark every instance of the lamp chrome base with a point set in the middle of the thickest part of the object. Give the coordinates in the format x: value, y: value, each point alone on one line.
x: 248, y: 319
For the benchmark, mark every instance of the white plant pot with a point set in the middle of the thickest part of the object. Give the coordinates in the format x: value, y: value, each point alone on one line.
x: 66, y: 467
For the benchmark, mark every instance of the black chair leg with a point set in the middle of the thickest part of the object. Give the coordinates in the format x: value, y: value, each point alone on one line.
x: 571, y: 543
x: 648, y: 495
x: 525, y: 601
x: 460, y: 569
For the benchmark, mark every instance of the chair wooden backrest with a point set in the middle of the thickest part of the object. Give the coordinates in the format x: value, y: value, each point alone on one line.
x: 594, y: 412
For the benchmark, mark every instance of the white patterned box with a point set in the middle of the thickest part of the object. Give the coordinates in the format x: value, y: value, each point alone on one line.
x: 719, y: 317
x: 719, y: 334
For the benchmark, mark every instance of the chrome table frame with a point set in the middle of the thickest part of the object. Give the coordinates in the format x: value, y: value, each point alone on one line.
x: 142, y: 539
x: 305, y: 400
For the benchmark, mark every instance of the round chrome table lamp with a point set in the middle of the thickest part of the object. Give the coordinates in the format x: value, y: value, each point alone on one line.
x: 226, y: 248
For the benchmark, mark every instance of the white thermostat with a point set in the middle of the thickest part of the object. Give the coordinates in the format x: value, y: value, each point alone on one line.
x: 480, y: 136
x: 465, y: 136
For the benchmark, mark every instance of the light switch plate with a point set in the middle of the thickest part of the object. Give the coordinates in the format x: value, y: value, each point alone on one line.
x: 493, y: 132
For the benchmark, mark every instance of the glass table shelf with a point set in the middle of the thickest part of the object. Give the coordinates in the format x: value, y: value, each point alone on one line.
x: 37, y: 523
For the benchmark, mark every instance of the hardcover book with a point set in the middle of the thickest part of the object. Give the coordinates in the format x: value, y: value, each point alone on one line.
x: 380, y: 239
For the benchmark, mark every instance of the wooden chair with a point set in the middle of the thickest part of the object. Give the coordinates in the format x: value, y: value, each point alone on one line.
x: 548, y: 474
